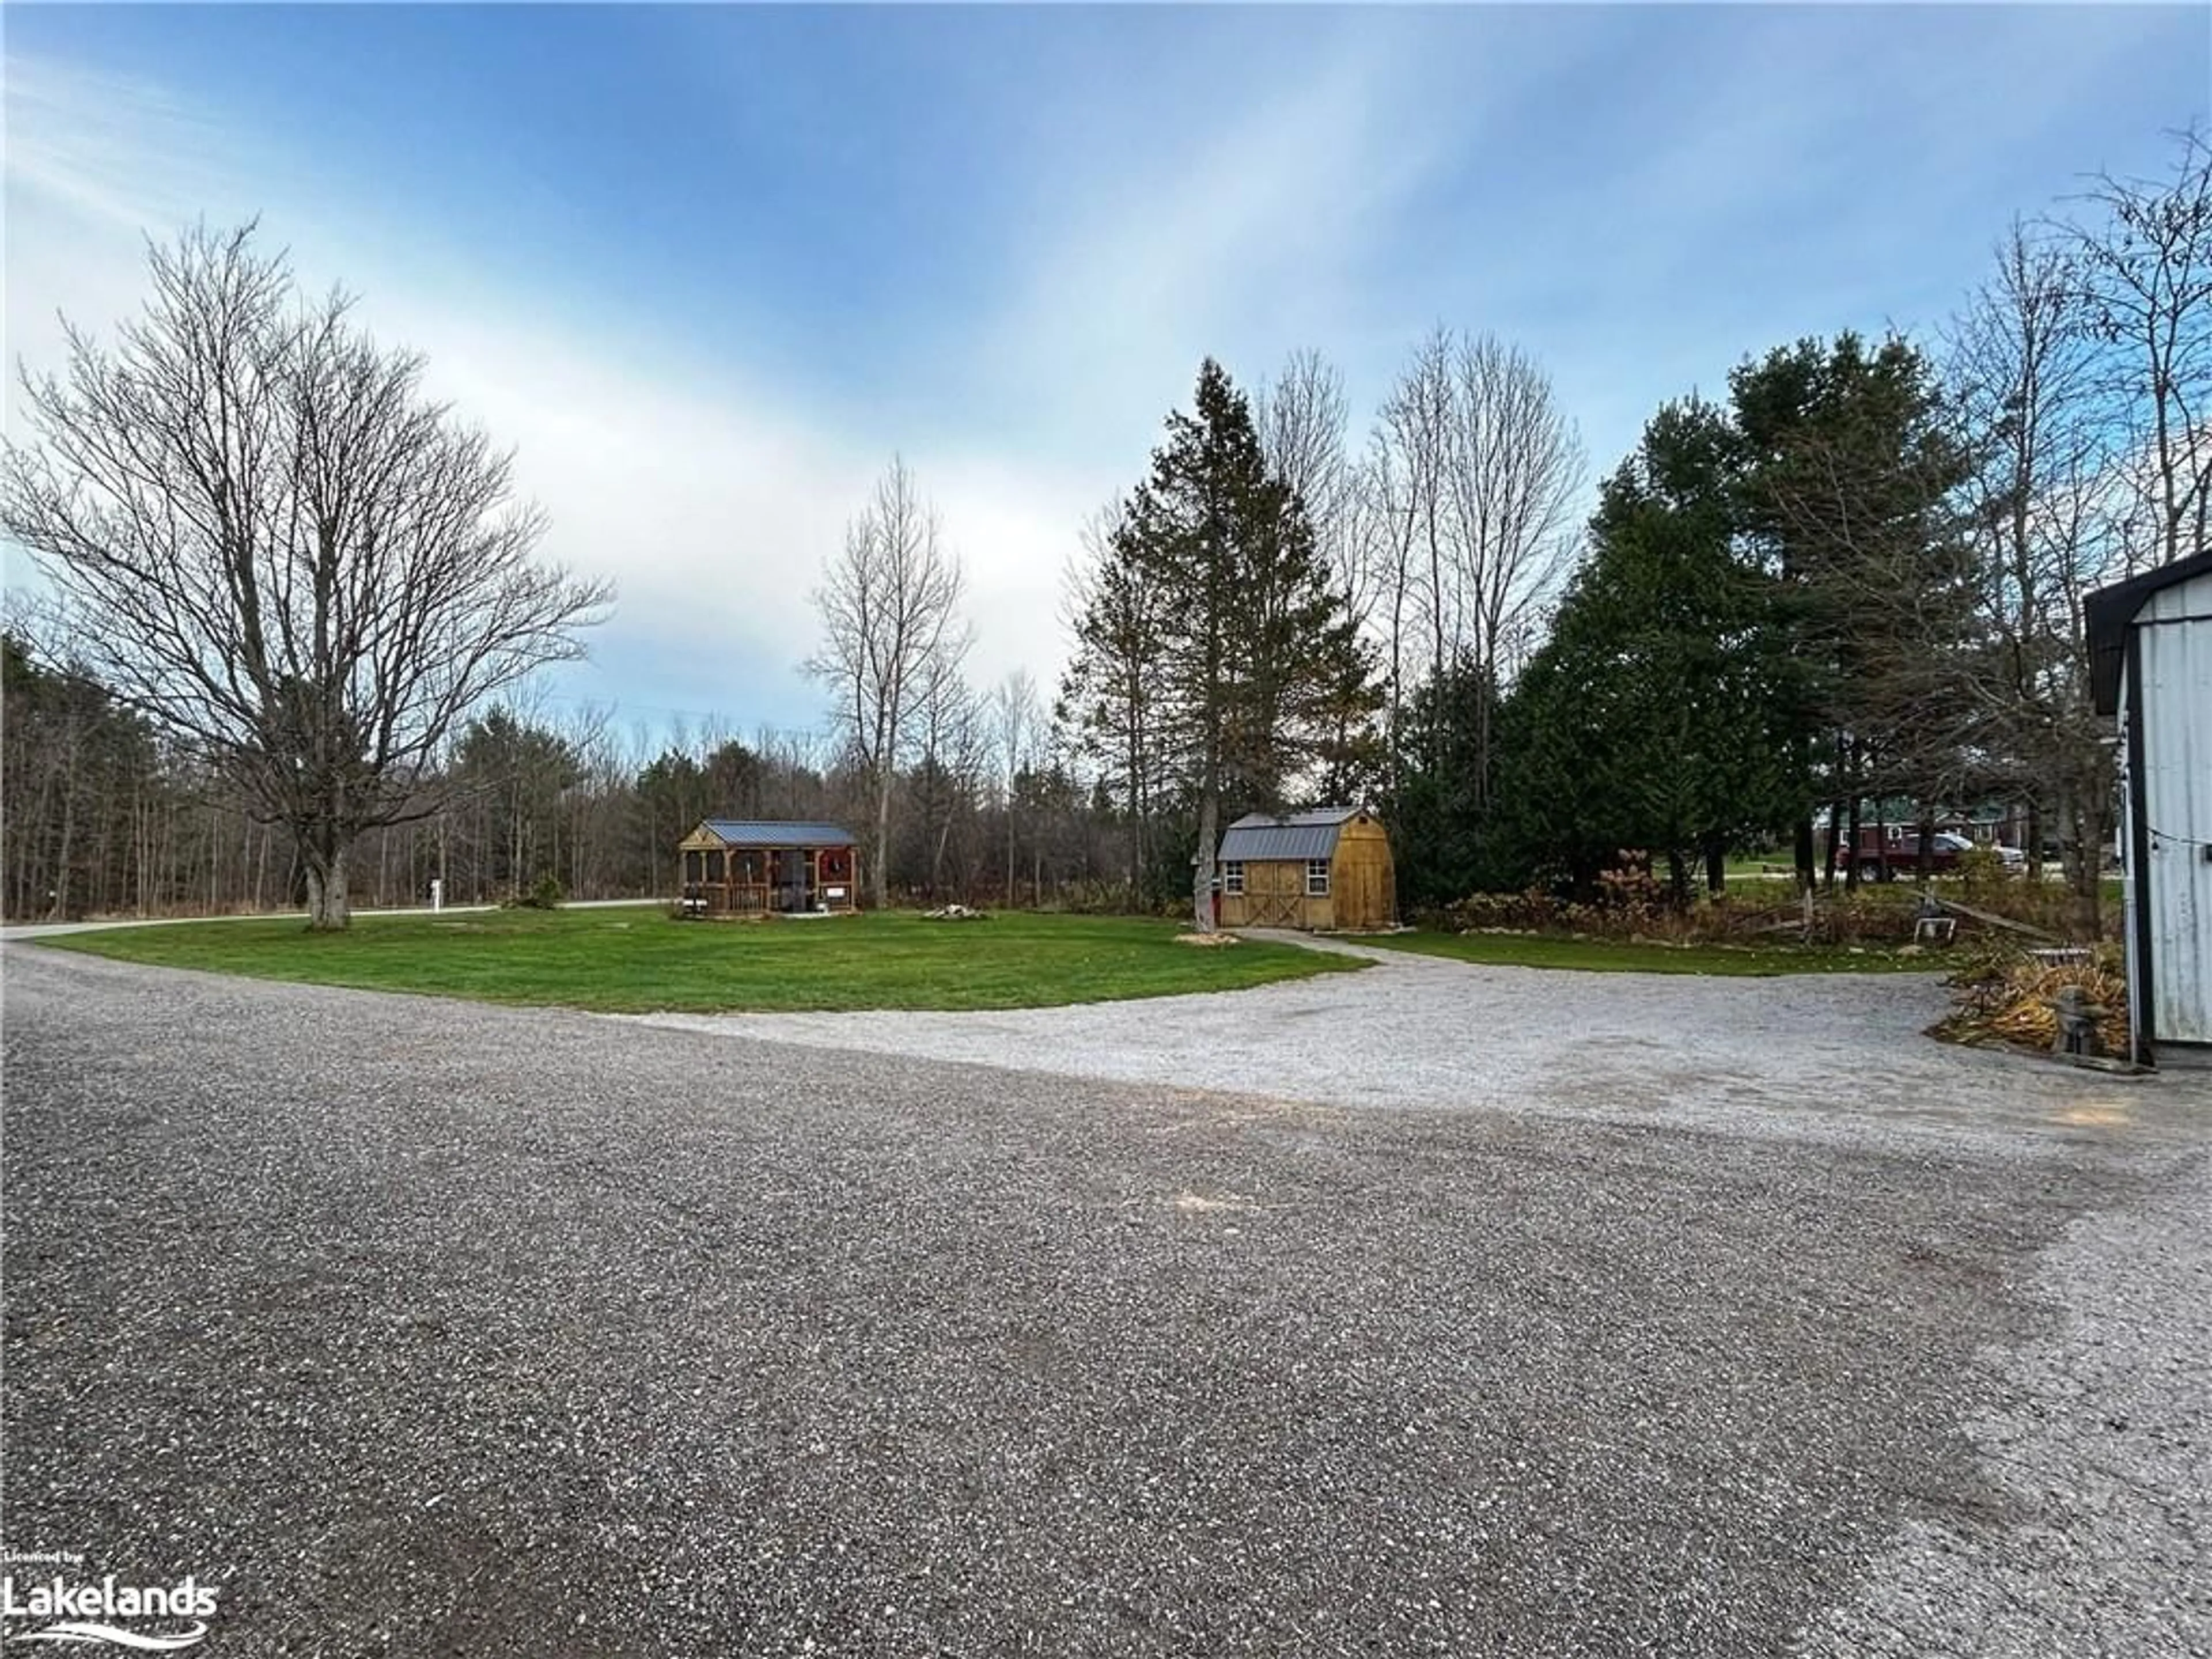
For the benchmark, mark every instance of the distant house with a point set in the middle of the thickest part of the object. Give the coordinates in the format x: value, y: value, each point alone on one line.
x: 1325, y: 869
x: 2150, y: 663
x: 733, y: 866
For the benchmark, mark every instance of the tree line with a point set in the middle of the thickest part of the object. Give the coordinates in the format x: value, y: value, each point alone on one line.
x: 1852, y: 586
x: 106, y: 816
x: 298, y: 610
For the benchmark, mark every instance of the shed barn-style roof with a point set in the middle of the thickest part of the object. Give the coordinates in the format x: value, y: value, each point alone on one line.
x: 1257, y: 836
x: 2107, y: 612
x: 742, y: 832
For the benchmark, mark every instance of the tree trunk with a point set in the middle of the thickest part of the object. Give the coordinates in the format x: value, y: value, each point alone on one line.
x: 2093, y: 829
x: 59, y: 909
x: 880, y: 878
x: 1802, y: 851
x: 1678, y: 878
x: 1201, y: 880
x: 1715, y: 865
x: 327, y: 911
x: 1138, y: 806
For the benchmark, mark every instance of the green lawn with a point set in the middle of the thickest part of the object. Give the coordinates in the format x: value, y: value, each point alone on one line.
x: 1609, y: 956
x: 637, y: 961
x: 1765, y: 866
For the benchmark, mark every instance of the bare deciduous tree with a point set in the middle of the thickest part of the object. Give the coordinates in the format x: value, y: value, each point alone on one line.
x: 951, y: 764
x: 272, y: 545
x: 1018, y: 718
x: 1418, y: 424
x: 1516, y: 467
x: 1465, y: 512
x: 1383, y: 522
x: 2023, y: 374
x: 1518, y: 464
x: 1303, y: 417
x: 2146, y: 289
x: 889, y: 605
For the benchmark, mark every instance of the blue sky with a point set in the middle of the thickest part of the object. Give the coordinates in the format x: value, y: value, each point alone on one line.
x: 707, y: 268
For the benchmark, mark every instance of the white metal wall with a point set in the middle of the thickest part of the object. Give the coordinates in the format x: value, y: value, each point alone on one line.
x: 2173, y: 637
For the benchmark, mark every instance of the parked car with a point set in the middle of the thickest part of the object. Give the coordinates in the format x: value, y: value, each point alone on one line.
x: 1885, y: 852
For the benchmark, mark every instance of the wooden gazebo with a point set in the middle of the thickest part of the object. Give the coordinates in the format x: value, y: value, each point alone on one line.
x: 735, y: 868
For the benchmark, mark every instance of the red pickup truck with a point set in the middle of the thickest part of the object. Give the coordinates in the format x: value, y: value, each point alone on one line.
x: 1885, y: 852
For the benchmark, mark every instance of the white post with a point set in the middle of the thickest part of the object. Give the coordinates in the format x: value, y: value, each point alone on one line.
x: 437, y: 893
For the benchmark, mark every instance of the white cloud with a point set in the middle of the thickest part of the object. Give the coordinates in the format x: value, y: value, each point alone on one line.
x: 1251, y: 228
x: 712, y: 503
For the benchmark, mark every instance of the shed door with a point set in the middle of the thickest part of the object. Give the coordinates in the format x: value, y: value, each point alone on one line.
x: 1275, y: 893
x: 2177, y: 688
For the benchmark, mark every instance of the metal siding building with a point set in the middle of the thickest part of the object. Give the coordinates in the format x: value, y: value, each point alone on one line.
x: 2150, y: 642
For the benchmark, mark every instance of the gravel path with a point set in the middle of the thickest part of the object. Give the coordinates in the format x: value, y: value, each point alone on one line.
x: 1807, y: 1054
x: 426, y: 1328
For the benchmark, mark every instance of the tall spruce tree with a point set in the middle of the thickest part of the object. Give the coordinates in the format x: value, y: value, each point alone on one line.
x: 1257, y: 656
x: 1659, y: 714
x: 1108, y: 698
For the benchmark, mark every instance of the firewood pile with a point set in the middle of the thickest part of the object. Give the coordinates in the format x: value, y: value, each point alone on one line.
x: 2012, y: 999
x: 955, y: 912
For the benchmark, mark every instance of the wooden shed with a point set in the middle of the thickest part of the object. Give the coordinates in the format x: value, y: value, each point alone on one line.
x: 1325, y: 869
x: 733, y: 866
x: 2150, y: 663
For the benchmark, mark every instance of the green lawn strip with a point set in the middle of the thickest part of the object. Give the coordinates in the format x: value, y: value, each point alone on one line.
x: 638, y: 961
x: 1772, y: 868
x: 1611, y: 956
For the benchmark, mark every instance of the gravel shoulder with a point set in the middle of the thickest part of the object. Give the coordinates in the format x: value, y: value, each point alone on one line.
x: 424, y: 1327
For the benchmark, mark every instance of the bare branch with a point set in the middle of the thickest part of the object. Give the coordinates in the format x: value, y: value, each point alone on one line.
x: 278, y: 550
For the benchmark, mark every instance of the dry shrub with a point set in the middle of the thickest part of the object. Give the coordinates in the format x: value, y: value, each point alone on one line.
x: 2005, y: 995
x: 1638, y: 910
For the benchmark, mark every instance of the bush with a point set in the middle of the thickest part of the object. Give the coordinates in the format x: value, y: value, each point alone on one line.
x: 1634, y: 907
x: 547, y: 895
x: 1981, y: 874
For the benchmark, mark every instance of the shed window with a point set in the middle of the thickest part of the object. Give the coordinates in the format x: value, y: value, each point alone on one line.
x: 1316, y: 877
x: 1233, y: 875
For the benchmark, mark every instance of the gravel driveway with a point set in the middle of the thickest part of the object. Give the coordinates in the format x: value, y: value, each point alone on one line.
x: 1805, y: 1055
x: 425, y: 1327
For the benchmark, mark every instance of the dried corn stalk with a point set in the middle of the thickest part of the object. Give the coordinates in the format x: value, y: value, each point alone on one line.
x: 2014, y: 1004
